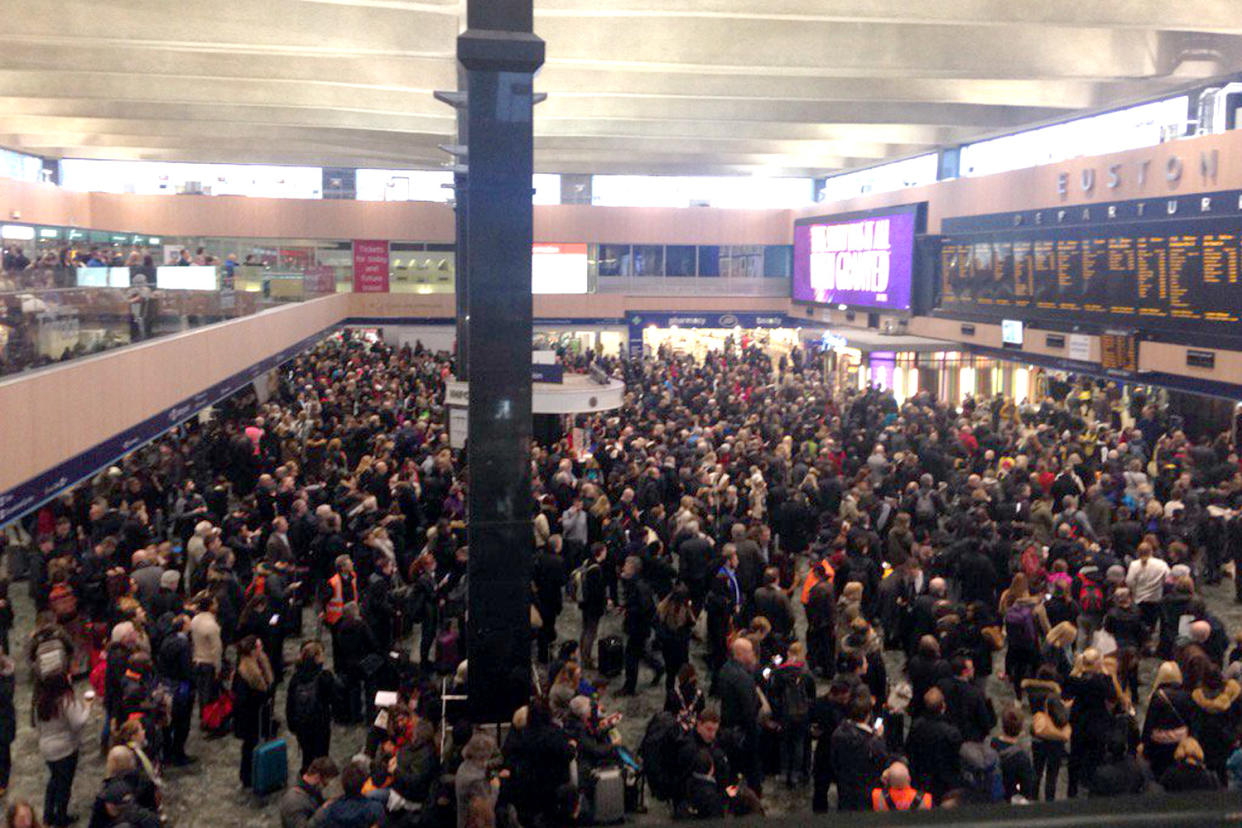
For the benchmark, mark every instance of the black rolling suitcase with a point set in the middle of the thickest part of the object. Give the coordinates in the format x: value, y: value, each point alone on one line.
x: 611, y: 656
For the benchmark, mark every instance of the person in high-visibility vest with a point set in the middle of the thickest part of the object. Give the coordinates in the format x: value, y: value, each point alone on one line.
x: 896, y: 794
x: 342, y: 590
x: 819, y: 571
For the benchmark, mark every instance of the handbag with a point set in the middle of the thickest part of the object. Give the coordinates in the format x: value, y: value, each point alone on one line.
x: 1170, y: 735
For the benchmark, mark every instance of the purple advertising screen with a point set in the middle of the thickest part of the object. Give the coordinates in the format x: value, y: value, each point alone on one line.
x: 861, y: 261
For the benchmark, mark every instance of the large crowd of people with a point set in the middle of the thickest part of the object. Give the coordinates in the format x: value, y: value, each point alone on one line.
x: 871, y: 605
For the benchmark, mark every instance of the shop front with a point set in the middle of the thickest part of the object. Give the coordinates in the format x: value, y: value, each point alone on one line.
x: 862, y: 358
x: 696, y: 333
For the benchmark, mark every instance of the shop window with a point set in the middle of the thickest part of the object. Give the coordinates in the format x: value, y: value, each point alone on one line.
x: 743, y: 262
x: 679, y: 260
x: 777, y: 261
x: 614, y: 260
x: 709, y: 260
x: 648, y: 260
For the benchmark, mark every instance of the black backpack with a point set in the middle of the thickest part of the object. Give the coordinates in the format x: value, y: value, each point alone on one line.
x: 795, y: 706
x: 658, y: 753
x: 304, y: 701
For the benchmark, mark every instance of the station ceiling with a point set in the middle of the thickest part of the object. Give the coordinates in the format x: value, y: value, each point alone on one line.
x: 695, y: 87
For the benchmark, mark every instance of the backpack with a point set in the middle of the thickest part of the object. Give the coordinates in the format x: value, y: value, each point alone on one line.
x: 1091, y: 597
x: 981, y: 771
x: 1020, y: 627
x: 50, y: 658
x: 658, y: 754
x: 304, y: 702
x: 577, y: 581
x: 795, y: 706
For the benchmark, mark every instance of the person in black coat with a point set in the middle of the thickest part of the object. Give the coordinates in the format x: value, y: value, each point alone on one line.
x: 1092, y: 692
x: 772, y: 603
x: 829, y: 711
x: 260, y: 619
x: 925, y: 669
x: 967, y: 706
x: 639, y: 607
x: 701, y: 797
x: 739, y: 709
x: 592, y: 602
x: 1120, y: 773
x: 378, y: 607
x: 310, y: 703
x: 977, y: 575
x: 933, y: 745
x: 8, y: 718
x: 858, y: 756
x: 253, y: 685
x: 352, y: 654
x: 174, y: 664
x: 548, y: 576
x: 674, y: 628
x: 695, y: 556
x: 685, y: 698
x: 821, y: 626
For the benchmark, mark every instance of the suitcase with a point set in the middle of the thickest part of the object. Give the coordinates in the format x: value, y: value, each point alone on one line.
x: 270, y: 770
x: 611, y: 656
x: 609, y: 804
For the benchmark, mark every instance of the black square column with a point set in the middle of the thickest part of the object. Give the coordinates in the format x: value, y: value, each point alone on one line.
x: 500, y: 55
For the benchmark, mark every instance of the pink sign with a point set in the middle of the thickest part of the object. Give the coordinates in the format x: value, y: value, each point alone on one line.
x: 370, y: 266
x: 319, y: 279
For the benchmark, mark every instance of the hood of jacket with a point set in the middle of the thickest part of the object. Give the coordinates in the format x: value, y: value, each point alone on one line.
x: 1218, y: 702
x: 257, y: 671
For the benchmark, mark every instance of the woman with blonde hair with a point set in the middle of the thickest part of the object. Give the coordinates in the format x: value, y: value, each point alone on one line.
x: 1093, y: 694
x: 1188, y: 772
x: 1167, y: 723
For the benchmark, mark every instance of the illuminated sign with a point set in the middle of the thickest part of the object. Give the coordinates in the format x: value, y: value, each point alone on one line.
x: 865, y: 261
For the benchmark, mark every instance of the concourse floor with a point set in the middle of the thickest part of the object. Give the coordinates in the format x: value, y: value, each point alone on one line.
x: 208, y: 794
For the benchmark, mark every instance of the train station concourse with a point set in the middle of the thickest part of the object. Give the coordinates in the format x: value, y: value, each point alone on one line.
x: 542, y: 413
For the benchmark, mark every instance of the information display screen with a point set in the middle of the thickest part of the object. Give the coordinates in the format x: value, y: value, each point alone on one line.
x: 194, y: 277
x: 1176, y: 275
x: 1119, y: 352
x: 861, y: 259
x: 559, y: 268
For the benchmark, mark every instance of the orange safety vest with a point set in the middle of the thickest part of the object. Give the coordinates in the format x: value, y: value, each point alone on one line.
x: 335, y: 607
x: 812, y: 579
x: 899, y: 799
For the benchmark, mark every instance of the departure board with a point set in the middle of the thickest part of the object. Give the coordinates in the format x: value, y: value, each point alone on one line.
x: 1175, y: 275
x: 1119, y: 352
